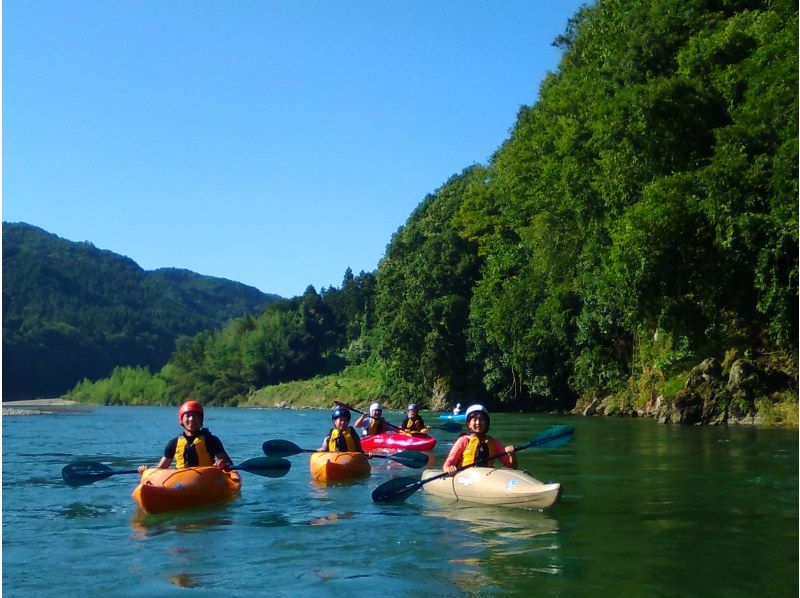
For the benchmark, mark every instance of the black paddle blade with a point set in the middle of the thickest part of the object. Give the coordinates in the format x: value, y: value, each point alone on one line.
x: 268, y: 467
x: 82, y: 473
x: 280, y: 448
x: 412, y: 459
x: 396, y: 490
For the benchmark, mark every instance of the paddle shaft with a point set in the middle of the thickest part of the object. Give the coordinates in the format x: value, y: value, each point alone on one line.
x: 298, y: 450
x: 547, y: 437
x: 568, y: 430
x: 81, y: 473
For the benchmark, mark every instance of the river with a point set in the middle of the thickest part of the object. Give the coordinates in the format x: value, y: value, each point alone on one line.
x: 646, y: 510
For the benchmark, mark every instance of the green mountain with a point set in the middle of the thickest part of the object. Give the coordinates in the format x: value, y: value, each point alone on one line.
x: 71, y: 310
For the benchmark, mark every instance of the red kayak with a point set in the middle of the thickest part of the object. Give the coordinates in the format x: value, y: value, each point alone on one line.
x: 398, y: 442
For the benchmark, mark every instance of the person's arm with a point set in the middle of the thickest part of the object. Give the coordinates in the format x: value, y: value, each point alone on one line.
x: 221, y: 458
x: 164, y: 462
x: 357, y: 441
x: 509, y: 460
x: 454, y: 456
x: 423, y: 429
x: 360, y: 421
x: 324, y: 447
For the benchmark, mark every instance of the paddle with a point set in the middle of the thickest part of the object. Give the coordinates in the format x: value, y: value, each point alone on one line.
x: 284, y: 448
x: 399, y: 489
x: 81, y: 473
x: 447, y: 426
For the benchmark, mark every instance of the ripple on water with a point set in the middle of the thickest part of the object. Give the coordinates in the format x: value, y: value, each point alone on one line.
x: 79, y: 510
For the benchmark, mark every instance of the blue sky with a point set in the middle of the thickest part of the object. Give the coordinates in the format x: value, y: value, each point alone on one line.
x: 271, y: 143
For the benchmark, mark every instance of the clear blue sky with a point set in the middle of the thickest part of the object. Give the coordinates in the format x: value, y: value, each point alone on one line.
x: 271, y: 143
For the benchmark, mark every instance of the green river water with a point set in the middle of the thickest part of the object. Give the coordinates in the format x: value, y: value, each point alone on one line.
x: 646, y: 510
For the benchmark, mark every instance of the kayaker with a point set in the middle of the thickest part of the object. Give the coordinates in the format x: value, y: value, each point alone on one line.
x: 413, y: 423
x: 373, y: 423
x: 478, y: 445
x: 457, y: 409
x: 342, y: 438
x: 196, y: 445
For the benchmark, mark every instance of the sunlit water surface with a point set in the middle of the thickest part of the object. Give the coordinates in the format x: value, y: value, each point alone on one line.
x: 647, y: 510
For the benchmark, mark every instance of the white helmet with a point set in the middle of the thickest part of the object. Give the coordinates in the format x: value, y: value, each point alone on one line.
x: 375, y: 407
x: 475, y: 409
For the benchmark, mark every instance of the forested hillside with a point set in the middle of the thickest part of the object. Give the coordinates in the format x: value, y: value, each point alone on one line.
x: 630, y: 248
x: 72, y: 311
x: 640, y: 219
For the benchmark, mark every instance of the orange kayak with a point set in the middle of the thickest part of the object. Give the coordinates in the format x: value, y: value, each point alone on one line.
x: 330, y: 467
x: 172, y: 489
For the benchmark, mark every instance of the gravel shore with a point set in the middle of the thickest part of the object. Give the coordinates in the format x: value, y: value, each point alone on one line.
x: 41, y: 406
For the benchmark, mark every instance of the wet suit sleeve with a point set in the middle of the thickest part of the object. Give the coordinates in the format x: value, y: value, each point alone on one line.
x: 214, y: 445
x: 169, y: 450
x: 357, y: 440
x: 456, y: 452
x: 500, y: 448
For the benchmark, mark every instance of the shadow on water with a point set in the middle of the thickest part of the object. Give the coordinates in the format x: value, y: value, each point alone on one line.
x: 79, y: 510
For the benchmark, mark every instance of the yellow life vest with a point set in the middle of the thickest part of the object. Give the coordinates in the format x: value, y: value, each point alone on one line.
x: 413, y: 424
x: 477, y: 449
x: 342, y: 442
x: 375, y: 426
x: 197, y: 445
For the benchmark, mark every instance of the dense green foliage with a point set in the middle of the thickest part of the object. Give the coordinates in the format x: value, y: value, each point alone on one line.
x: 651, y: 190
x: 72, y: 311
x: 640, y: 218
x: 293, y: 339
x: 423, y: 291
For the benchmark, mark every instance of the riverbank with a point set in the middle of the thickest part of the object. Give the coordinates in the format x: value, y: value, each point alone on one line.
x: 42, y: 406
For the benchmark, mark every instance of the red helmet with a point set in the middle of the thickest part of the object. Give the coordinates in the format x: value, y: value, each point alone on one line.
x: 190, y: 407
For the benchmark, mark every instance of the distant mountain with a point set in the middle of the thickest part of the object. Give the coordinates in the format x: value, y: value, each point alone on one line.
x: 71, y: 310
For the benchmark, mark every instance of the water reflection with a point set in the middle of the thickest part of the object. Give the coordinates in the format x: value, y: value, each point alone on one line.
x: 144, y: 526
x: 332, y: 518
x: 495, y: 525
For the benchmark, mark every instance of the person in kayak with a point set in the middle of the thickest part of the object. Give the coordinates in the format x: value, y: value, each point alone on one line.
x: 342, y: 438
x: 457, y: 409
x: 478, y: 445
x: 413, y: 423
x: 373, y: 423
x: 196, y: 445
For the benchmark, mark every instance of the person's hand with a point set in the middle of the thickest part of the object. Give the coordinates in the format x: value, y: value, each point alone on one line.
x: 141, y: 469
x: 452, y: 470
x: 510, y: 449
x: 222, y: 464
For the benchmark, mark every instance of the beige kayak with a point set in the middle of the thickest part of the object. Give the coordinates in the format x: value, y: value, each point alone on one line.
x: 489, y: 486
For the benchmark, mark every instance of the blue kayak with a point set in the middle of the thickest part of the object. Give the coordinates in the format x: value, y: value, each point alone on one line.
x: 454, y: 418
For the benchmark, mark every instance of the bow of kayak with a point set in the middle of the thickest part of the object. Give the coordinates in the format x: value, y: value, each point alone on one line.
x: 398, y: 442
x: 489, y: 486
x: 332, y: 467
x: 163, y: 490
